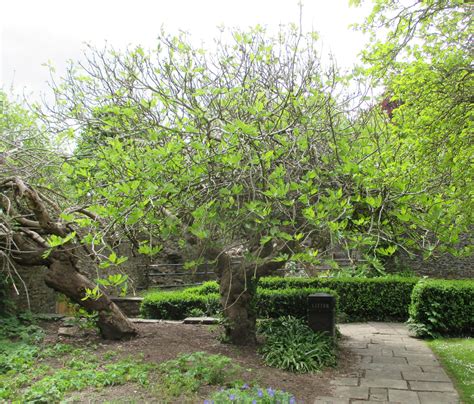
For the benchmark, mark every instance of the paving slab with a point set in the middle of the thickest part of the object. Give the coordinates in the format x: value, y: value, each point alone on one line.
x: 378, y: 394
x: 387, y: 383
x: 352, y: 392
x: 370, y: 402
x: 421, y: 360
x: 331, y: 400
x: 431, y: 386
x: 345, y: 381
x: 387, y: 359
x: 403, y: 396
x: 390, y: 366
x: 433, y: 369
x: 426, y: 377
x: 438, y: 398
x: 384, y: 374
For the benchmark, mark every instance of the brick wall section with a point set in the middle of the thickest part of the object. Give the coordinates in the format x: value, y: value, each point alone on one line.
x: 446, y: 267
x: 42, y: 299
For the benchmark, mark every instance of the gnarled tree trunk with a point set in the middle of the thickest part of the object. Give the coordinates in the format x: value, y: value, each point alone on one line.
x: 28, y: 219
x: 64, y: 277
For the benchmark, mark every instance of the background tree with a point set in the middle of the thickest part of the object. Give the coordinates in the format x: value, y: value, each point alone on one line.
x: 421, y: 53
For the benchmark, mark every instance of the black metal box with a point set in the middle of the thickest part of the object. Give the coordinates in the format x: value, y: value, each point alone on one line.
x: 322, y: 313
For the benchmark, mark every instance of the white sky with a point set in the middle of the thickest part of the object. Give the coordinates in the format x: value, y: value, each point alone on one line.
x: 33, y: 32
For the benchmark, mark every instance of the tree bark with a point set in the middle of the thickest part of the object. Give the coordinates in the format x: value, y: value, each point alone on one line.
x: 237, y: 290
x: 64, y: 277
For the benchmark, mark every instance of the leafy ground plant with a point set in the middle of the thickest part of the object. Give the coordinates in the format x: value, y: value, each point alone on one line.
x: 457, y: 357
x: 188, y: 372
x: 247, y: 394
x: 291, y: 345
x: 27, y: 376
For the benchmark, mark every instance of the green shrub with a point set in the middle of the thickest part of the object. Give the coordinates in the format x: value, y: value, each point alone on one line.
x: 182, y: 304
x: 360, y: 299
x: 442, y: 307
x: 207, y: 288
x: 21, y: 327
x: 177, y: 305
x: 291, y: 345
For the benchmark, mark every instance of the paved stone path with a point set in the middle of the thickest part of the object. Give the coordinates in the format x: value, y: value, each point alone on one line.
x: 391, y: 367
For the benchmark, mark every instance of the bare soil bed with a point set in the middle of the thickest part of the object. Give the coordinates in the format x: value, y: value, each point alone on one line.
x: 159, y: 342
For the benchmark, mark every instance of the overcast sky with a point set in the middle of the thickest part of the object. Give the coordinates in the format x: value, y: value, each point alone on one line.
x: 34, y: 32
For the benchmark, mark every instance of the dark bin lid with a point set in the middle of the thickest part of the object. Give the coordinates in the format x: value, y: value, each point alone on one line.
x: 321, y: 295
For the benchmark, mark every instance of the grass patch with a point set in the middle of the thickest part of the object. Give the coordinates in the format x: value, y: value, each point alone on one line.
x: 457, y: 357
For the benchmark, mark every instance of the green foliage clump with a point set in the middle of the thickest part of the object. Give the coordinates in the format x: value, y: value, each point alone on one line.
x: 188, y: 372
x: 80, y: 370
x: 83, y: 373
x: 442, y: 307
x: 291, y: 345
x: 176, y: 305
x: 21, y: 328
x: 25, y: 376
x: 247, y: 394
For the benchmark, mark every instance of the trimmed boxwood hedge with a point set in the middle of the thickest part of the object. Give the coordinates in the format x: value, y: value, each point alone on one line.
x: 360, y: 299
x: 269, y: 303
x: 443, y: 307
x: 436, y: 307
x: 177, y: 305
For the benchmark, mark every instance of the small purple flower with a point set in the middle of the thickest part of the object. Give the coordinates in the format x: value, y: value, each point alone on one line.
x: 254, y: 401
x: 245, y: 386
x: 232, y: 397
x: 260, y: 393
x: 270, y: 392
x: 292, y: 400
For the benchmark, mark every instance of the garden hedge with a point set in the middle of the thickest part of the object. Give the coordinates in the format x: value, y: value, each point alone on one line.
x: 269, y: 303
x: 177, y: 305
x: 435, y: 307
x: 360, y: 299
x: 442, y: 307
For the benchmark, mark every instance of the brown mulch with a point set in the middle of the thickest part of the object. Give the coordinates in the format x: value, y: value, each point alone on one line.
x: 159, y: 342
